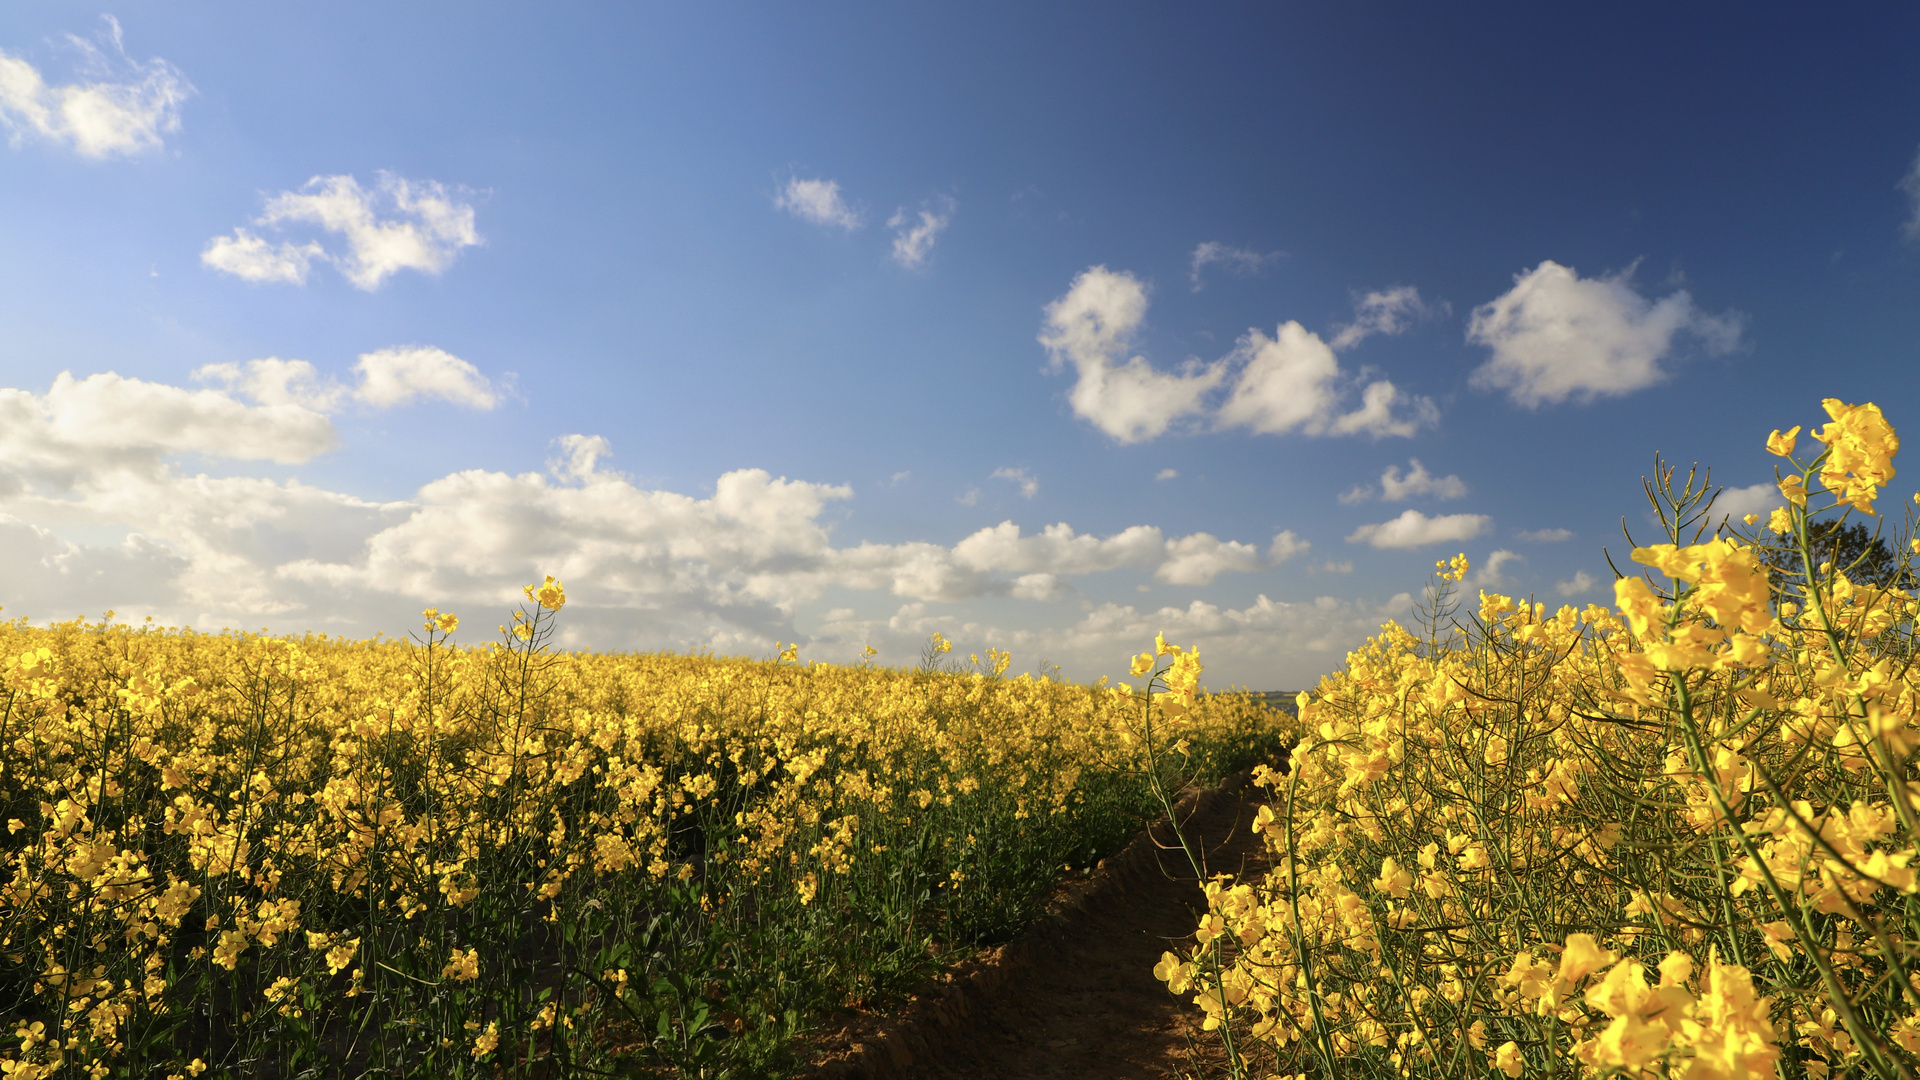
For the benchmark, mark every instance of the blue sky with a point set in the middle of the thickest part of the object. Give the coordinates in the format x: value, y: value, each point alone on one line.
x: 1047, y: 327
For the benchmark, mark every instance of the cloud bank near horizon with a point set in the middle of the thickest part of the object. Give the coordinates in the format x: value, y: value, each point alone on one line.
x: 112, y: 456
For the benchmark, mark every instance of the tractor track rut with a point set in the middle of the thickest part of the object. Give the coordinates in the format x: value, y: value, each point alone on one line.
x: 1074, y: 996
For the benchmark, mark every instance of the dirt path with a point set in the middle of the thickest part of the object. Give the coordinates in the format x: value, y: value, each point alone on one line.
x: 1076, y: 996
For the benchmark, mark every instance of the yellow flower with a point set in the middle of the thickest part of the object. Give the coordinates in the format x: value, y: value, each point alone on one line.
x: 550, y: 594
x: 1860, y: 449
x: 1142, y: 664
x: 1393, y: 880
x: 463, y: 966
x: 1794, y: 489
x: 484, y: 1043
x: 1507, y: 1058
x: 1174, y: 972
x: 1780, y: 444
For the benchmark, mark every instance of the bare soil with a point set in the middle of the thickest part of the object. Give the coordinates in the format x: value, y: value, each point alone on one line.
x: 1075, y: 996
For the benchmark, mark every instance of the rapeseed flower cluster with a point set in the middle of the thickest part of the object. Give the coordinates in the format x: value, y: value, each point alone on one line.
x: 241, y: 855
x: 1674, y: 837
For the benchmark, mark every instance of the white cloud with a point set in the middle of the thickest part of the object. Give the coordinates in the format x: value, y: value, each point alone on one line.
x: 100, y: 506
x: 388, y: 377
x: 1737, y: 502
x: 1285, y: 546
x: 1386, y: 311
x: 1546, y: 536
x: 1167, y: 474
x: 582, y: 458
x: 1092, y: 327
x: 1377, y: 415
x: 1490, y: 573
x: 273, y: 381
x: 107, y: 424
x: 251, y: 258
x: 1418, y: 482
x: 1199, y: 558
x: 1289, y: 382
x: 1414, y: 529
x: 913, y: 237
x: 1195, y: 559
x: 1286, y: 381
x: 396, y: 376
x: 1582, y: 583
x: 1237, y: 260
x: 1037, y: 587
x: 1266, y: 645
x: 424, y: 229
x: 125, y: 107
x: 1028, y: 484
x: 1557, y: 336
x: 817, y: 201
x: 1332, y: 566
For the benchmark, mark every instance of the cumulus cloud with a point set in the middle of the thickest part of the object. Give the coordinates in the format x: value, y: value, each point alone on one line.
x: 1236, y: 260
x: 1557, y: 336
x: 1582, y: 583
x: 388, y: 377
x: 273, y: 381
x: 1491, y: 573
x: 1285, y: 383
x: 1285, y: 546
x: 1028, y: 484
x: 1737, y: 502
x: 109, y: 424
x: 398, y: 224
x: 1167, y: 474
x: 253, y: 258
x: 1195, y: 559
x: 913, y: 237
x: 1332, y: 566
x: 121, y: 106
x: 1092, y: 328
x: 817, y: 201
x: 1390, y: 312
x: 1292, y: 382
x: 1546, y: 536
x: 1414, y: 529
x: 1417, y: 483
x: 103, y: 505
x: 1266, y: 645
x: 396, y: 376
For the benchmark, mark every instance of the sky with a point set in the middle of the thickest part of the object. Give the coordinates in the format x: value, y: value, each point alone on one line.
x: 1044, y: 327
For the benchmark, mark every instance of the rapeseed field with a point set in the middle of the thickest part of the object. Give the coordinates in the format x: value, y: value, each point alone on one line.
x: 232, y: 855
x: 1673, y: 837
